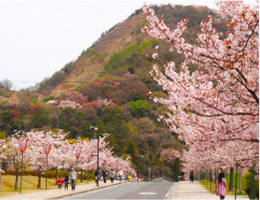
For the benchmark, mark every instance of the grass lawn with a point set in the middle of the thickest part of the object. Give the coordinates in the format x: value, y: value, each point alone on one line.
x: 243, y: 182
x: 29, y: 184
x: 212, y: 187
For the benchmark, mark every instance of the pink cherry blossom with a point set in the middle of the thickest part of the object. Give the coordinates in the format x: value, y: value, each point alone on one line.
x: 215, y: 109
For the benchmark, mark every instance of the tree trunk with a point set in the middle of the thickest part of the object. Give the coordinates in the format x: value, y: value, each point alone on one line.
x: 231, y: 179
x: 16, y: 178
x: 81, y: 177
x: 39, y: 179
x: 240, y: 180
x: 56, y: 175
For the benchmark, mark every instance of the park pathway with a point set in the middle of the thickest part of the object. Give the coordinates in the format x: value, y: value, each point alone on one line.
x: 187, y: 190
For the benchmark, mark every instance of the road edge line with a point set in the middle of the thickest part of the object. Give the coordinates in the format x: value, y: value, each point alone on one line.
x: 171, y: 193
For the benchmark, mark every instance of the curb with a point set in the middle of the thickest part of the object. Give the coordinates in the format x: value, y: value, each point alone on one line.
x: 88, y: 190
x: 172, y: 191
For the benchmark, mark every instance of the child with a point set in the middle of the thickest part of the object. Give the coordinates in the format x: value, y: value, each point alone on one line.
x: 60, y: 182
x: 66, y: 182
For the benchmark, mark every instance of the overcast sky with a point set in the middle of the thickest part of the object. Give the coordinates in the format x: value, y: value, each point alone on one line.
x: 39, y: 37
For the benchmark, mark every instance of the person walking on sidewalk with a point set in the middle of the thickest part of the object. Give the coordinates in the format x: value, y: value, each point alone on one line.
x: 191, y: 177
x: 104, y: 174
x: 73, y: 179
x: 112, y: 176
x: 66, y: 182
x: 60, y: 182
x: 97, y: 176
x: 221, y: 186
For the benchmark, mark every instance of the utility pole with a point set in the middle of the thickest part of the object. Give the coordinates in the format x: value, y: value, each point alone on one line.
x: 95, y: 129
x: 98, y: 159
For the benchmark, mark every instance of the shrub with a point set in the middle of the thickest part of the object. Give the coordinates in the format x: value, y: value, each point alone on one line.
x: 140, y: 108
x: 248, y: 185
x: 49, y: 98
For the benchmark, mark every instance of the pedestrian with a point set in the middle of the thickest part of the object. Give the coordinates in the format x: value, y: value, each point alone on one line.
x: 97, y: 176
x: 60, y: 182
x: 66, y: 183
x: 120, y: 174
x: 221, y: 185
x: 104, y: 174
x: 73, y: 179
x: 191, y: 176
x: 112, y: 176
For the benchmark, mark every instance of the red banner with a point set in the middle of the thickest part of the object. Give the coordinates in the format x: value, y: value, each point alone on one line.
x: 23, y: 145
x: 78, y: 152
x: 47, y: 148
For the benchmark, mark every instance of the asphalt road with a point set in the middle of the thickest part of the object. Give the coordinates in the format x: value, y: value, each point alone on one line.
x: 133, y: 190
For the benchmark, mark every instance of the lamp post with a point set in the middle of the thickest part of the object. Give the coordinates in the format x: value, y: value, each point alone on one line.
x: 47, y: 149
x: 95, y: 129
x: 236, y: 181
x: 98, y: 159
x: 22, y: 146
x: 104, y: 135
x: 252, y: 195
x: 64, y: 150
x: 78, y: 152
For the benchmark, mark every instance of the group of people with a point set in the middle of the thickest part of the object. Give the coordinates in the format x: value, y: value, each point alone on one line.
x: 104, y: 173
x: 220, y: 184
x: 72, y: 178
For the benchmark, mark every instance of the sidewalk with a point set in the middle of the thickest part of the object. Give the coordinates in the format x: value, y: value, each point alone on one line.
x: 187, y: 190
x: 57, y: 193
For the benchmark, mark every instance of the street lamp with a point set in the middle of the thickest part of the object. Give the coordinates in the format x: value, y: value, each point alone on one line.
x: 64, y: 150
x: 105, y: 135
x: 22, y: 146
x: 95, y: 129
x: 98, y: 160
x: 78, y: 152
x: 47, y: 149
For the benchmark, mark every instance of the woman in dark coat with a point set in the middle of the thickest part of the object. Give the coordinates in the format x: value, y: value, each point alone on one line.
x: 191, y: 177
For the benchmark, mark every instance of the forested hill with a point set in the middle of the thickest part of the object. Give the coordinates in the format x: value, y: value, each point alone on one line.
x: 92, y: 61
x: 108, y: 86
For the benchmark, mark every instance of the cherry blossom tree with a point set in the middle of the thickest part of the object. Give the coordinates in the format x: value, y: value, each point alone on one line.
x: 2, y: 158
x: 216, y: 107
x: 2, y: 152
x: 14, y: 155
x: 37, y: 140
x: 64, y: 153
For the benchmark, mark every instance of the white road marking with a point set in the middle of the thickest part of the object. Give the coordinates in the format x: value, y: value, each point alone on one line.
x: 147, y: 193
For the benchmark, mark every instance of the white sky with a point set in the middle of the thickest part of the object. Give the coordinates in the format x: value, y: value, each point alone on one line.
x: 39, y: 37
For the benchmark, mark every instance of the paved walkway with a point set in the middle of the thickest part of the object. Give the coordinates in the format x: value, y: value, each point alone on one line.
x: 57, y: 193
x: 187, y: 190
